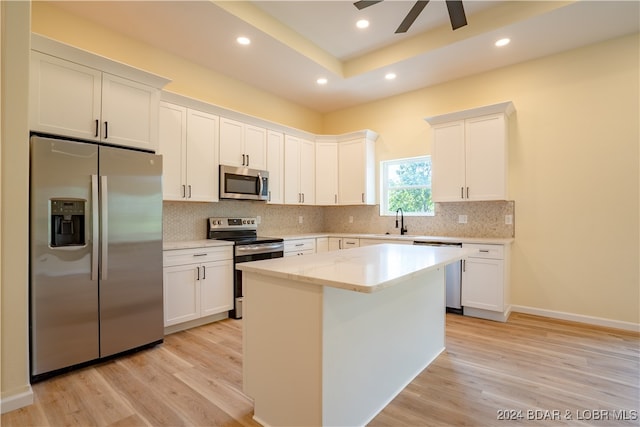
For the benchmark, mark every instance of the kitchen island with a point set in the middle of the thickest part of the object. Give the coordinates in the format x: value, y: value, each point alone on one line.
x: 332, y: 338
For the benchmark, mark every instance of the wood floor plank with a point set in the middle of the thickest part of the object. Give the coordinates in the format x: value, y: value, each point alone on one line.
x: 530, y: 366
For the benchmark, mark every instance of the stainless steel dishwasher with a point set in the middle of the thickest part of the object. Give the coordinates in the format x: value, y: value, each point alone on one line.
x: 452, y: 276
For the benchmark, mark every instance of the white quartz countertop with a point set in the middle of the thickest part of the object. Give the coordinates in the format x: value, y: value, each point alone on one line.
x: 194, y: 244
x: 364, y: 269
x: 411, y: 238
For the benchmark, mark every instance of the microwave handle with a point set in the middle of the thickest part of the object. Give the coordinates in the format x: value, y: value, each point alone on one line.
x: 260, y: 184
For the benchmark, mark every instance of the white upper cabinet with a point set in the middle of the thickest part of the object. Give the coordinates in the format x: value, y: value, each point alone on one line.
x: 202, y: 156
x: 275, y: 166
x: 356, y: 171
x: 173, y: 148
x: 469, y: 154
x: 65, y: 97
x: 326, y: 172
x: 79, y: 101
x: 345, y: 169
x: 299, y: 171
x: 242, y: 145
x: 129, y: 113
x: 189, y: 146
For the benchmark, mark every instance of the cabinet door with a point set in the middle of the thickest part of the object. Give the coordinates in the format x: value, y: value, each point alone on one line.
x: 307, y: 172
x: 172, y: 145
x: 335, y: 243
x: 216, y: 287
x: 64, y: 97
x: 352, y: 161
x: 292, y: 170
x: 202, y: 161
x: 129, y: 113
x: 486, y: 158
x: 348, y: 243
x: 322, y: 244
x: 275, y: 166
x: 181, y: 294
x: 231, y: 142
x: 327, y: 173
x: 483, y: 284
x: 255, y: 147
x: 448, y: 162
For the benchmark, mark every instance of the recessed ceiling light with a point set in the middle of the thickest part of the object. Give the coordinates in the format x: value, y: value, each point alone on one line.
x: 322, y: 81
x: 503, y: 42
x: 243, y: 40
x: 390, y: 76
x: 362, y: 23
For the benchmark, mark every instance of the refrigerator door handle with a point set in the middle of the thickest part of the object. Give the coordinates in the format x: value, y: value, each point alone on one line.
x: 104, y: 221
x: 95, y: 228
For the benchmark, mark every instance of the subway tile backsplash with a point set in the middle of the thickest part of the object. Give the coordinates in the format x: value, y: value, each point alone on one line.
x: 188, y: 220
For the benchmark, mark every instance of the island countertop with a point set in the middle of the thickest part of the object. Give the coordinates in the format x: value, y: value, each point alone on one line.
x: 365, y: 269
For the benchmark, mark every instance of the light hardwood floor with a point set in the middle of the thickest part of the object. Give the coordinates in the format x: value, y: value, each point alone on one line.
x: 492, y: 374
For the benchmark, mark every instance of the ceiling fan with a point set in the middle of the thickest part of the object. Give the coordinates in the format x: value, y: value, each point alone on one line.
x: 456, y: 13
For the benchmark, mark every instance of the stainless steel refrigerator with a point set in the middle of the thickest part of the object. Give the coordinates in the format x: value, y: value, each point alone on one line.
x: 95, y: 252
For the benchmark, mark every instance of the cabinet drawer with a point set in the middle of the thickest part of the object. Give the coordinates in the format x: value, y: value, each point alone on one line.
x: 300, y: 245
x: 350, y: 243
x: 301, y: 252
x: 196, y: 256
x: 485, y: 251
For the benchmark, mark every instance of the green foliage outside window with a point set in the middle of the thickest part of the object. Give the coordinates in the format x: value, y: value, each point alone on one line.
x: 406, y: 184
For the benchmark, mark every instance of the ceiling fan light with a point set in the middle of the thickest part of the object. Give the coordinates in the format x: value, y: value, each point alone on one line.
x: 362, y: 24
x: 503, y: 42
x: 243, y: 40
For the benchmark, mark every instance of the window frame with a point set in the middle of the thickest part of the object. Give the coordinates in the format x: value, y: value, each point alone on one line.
x: 384, y: 187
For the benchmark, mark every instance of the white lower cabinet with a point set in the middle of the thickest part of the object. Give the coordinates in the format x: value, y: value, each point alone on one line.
x: 299, y: 247
x: 197, y: 283
x: 485, y: 282
x: 322, y: 244
x: 337, y: 243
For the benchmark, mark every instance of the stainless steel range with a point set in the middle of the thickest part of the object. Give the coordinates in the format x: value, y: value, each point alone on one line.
x: 248, y: 246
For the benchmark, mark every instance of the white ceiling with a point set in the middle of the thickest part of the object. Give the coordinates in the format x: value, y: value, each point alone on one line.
x: 295, y: 42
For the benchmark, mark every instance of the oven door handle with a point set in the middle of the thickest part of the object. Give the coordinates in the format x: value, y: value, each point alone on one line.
x: 261, y: 248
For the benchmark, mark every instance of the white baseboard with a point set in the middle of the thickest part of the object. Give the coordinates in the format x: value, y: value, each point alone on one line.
x: 591, y: 320
x: 16, y: 401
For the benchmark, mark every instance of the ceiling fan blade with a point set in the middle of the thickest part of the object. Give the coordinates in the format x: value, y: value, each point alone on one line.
x: 365, y: 3
x: 411, y: 16
x: 456, y: 14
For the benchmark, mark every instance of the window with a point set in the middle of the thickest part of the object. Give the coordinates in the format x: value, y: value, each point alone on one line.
x: 406, y: 184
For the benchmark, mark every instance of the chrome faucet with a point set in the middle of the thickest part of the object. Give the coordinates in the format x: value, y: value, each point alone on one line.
x: 403, y: 229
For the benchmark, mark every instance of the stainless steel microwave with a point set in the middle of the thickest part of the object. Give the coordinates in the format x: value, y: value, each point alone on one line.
x: 243, y: 183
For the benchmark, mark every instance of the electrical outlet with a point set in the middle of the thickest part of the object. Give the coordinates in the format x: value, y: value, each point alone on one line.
x: 350, y: 219
x: 258, y: 219
x: 508, y: 219
x: 300, y: 219
x: 462, y: 219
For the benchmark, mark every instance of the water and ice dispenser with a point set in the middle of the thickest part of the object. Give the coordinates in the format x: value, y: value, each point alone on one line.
x: 67, y: 222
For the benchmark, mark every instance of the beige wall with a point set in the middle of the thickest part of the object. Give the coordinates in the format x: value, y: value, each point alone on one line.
x: 573, y: 169
x: 14, y: 180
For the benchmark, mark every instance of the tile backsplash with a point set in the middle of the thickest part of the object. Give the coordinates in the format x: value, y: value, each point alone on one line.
x: 188, y: 220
